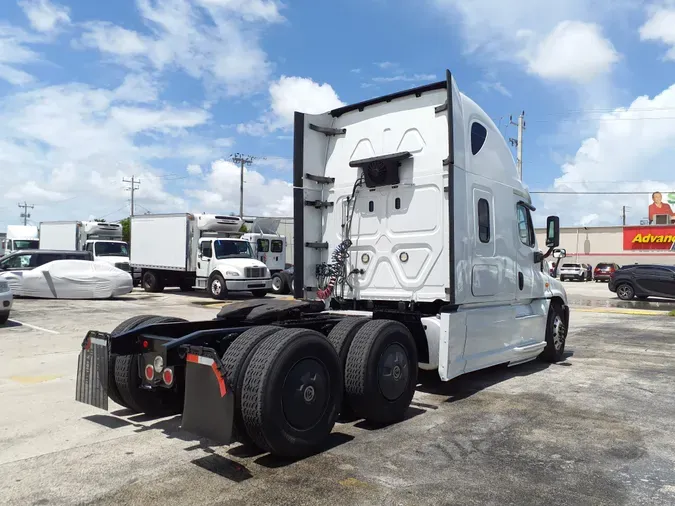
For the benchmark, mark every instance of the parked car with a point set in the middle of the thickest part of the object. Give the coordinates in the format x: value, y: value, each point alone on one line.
x: 282, y: 282
x: 604, y: 270
x: 6, y: 299
x: 643, y: 281
x: 26, y: 260
x: 70, y: 279
x: 573, y: 271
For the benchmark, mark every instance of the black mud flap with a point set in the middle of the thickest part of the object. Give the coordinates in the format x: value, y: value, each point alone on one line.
x: 92, y: 370
x: 209, y: 402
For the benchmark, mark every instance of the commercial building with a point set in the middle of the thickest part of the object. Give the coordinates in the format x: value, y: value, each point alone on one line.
x: 652, y: 244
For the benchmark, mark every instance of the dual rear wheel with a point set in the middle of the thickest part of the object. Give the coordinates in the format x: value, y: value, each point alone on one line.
x: 291, y: 384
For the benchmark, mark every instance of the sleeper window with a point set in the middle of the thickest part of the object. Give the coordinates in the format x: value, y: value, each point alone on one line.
x: 483, y: 221
x: 478, y: 136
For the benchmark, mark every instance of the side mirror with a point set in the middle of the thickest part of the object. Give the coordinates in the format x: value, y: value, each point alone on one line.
x: 560, y: 253
x: 552, y: 232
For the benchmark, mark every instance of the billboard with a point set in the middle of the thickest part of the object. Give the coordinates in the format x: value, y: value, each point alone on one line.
x: 661, y: 207
x: 649, y: 238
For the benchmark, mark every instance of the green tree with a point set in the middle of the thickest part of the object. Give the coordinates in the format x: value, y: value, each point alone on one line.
x: 126, y: 229
x: 243, y: 228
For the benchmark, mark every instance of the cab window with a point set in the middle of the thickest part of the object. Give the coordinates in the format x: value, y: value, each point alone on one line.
x: 263, y: 245
x: 206, y: 249
x: 525, y: 228
x: 277, y: 246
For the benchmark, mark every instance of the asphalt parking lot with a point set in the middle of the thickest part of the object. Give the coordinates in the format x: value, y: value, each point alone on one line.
x: 594, y: 429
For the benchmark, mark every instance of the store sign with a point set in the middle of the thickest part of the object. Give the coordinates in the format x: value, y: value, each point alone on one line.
x: 649, y: 238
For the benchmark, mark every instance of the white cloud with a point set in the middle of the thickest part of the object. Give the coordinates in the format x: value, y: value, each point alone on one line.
x: 387, y: 65
x: 262, y: 197
x: 194, y: 170
x: 116, y: 40
x: 66, y: 149
x: 44, y: 15
x: 415, y: 78
x: 138, y: 88
x: 573, y: 51
x: 209, y: 40
x: 631, y: 151
x: 660, y: 27
x: 290, y: 94
x: 14, y: 50
x: 355, y: 71
x: 276, y: 162
x: 496, y: 86
x: 524, y: 32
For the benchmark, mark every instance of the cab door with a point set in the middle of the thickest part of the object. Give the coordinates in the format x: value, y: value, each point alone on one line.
x: 205, y: 258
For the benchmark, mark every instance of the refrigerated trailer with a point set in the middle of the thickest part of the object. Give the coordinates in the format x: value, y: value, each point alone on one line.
x: 200, y: 251
x: 414, y: 248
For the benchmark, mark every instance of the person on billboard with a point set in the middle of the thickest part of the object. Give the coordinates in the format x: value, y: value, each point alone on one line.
x: 658, y: 207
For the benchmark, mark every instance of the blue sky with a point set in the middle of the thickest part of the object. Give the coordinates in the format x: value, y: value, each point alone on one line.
x: 91, y: 92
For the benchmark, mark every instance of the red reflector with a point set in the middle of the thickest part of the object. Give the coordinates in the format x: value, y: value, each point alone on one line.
x: 149, y: 372
x: 167, y: 376
x: 145, y: 344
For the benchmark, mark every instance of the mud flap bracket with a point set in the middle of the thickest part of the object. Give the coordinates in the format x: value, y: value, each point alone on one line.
x: 92, y: 370
x: 209, y: 402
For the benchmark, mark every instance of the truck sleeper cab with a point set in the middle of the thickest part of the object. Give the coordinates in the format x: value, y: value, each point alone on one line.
x: 414, y: 248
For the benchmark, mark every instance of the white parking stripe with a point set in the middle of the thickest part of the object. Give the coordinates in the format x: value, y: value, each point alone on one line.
x: 34, y: 327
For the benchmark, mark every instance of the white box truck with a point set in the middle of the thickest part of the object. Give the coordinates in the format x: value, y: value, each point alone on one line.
x: 414, y: 248
x: 20, y: 237
x: 103, y: 239
x: 196, y: 251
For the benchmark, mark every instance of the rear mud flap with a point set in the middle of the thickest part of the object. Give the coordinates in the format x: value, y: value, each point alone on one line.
x: 209, y: 403
x: 92, y: 370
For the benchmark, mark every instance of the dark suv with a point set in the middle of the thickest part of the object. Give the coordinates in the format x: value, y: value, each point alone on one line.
x: 643, y: 281
x: 28, y: 259
x: 603, y: 271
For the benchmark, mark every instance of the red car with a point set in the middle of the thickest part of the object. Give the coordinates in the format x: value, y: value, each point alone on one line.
x: 603, y: 271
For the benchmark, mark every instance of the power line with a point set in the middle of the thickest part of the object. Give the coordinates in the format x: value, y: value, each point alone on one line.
x: 243, y: 160
x: 25, y: 214
x: 133, y: 188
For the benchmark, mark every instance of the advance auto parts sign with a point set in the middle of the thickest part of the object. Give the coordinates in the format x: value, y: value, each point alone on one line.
x: 649, y: 238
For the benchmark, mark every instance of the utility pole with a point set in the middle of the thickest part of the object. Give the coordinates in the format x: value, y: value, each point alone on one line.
x: 25, y: 214
x: 133, y: 181
x: 519, y: 143
x: 243, y: 160
x: 623, y: 214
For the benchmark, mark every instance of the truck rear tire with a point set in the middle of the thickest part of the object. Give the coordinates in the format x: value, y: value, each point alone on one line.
x: 158, y: 402
x: 381, y: 371
x: 125, y: 326
x: 235, y: 361
x: 292, y: 392
x: 341, y: 338
x: 152, y: 282
x: 217, y: 288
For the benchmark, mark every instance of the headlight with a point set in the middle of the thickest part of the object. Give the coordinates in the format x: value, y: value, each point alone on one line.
x: 4, y: 286
x: 232, y: 273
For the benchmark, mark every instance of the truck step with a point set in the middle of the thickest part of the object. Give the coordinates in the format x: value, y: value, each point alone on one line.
x: 319, y: 179
x: 328, y: 131
x: 319, y: 204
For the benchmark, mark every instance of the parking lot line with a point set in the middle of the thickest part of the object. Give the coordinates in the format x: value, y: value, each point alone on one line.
x: 34, y: 327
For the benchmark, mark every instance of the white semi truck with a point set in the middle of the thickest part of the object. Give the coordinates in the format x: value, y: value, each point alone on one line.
x: 20, y: 237
x: 200, y: 251
x: 268, y: 246
x: 103, y: 239
x: 414, y: 248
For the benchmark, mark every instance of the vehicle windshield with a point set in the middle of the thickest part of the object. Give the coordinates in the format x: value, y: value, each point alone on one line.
x: 232, y: 249
x: 26, y: 244
x: 111, y: 249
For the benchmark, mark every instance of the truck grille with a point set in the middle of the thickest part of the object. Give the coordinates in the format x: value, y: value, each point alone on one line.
x: 255, y: 272
x: 124, y: 266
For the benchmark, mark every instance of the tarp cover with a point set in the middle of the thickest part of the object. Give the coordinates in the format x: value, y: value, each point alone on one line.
x: 70, y: 279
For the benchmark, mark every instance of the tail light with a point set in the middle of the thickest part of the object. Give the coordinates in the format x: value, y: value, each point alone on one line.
x: 149, y: 372
x: 167, y: 376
